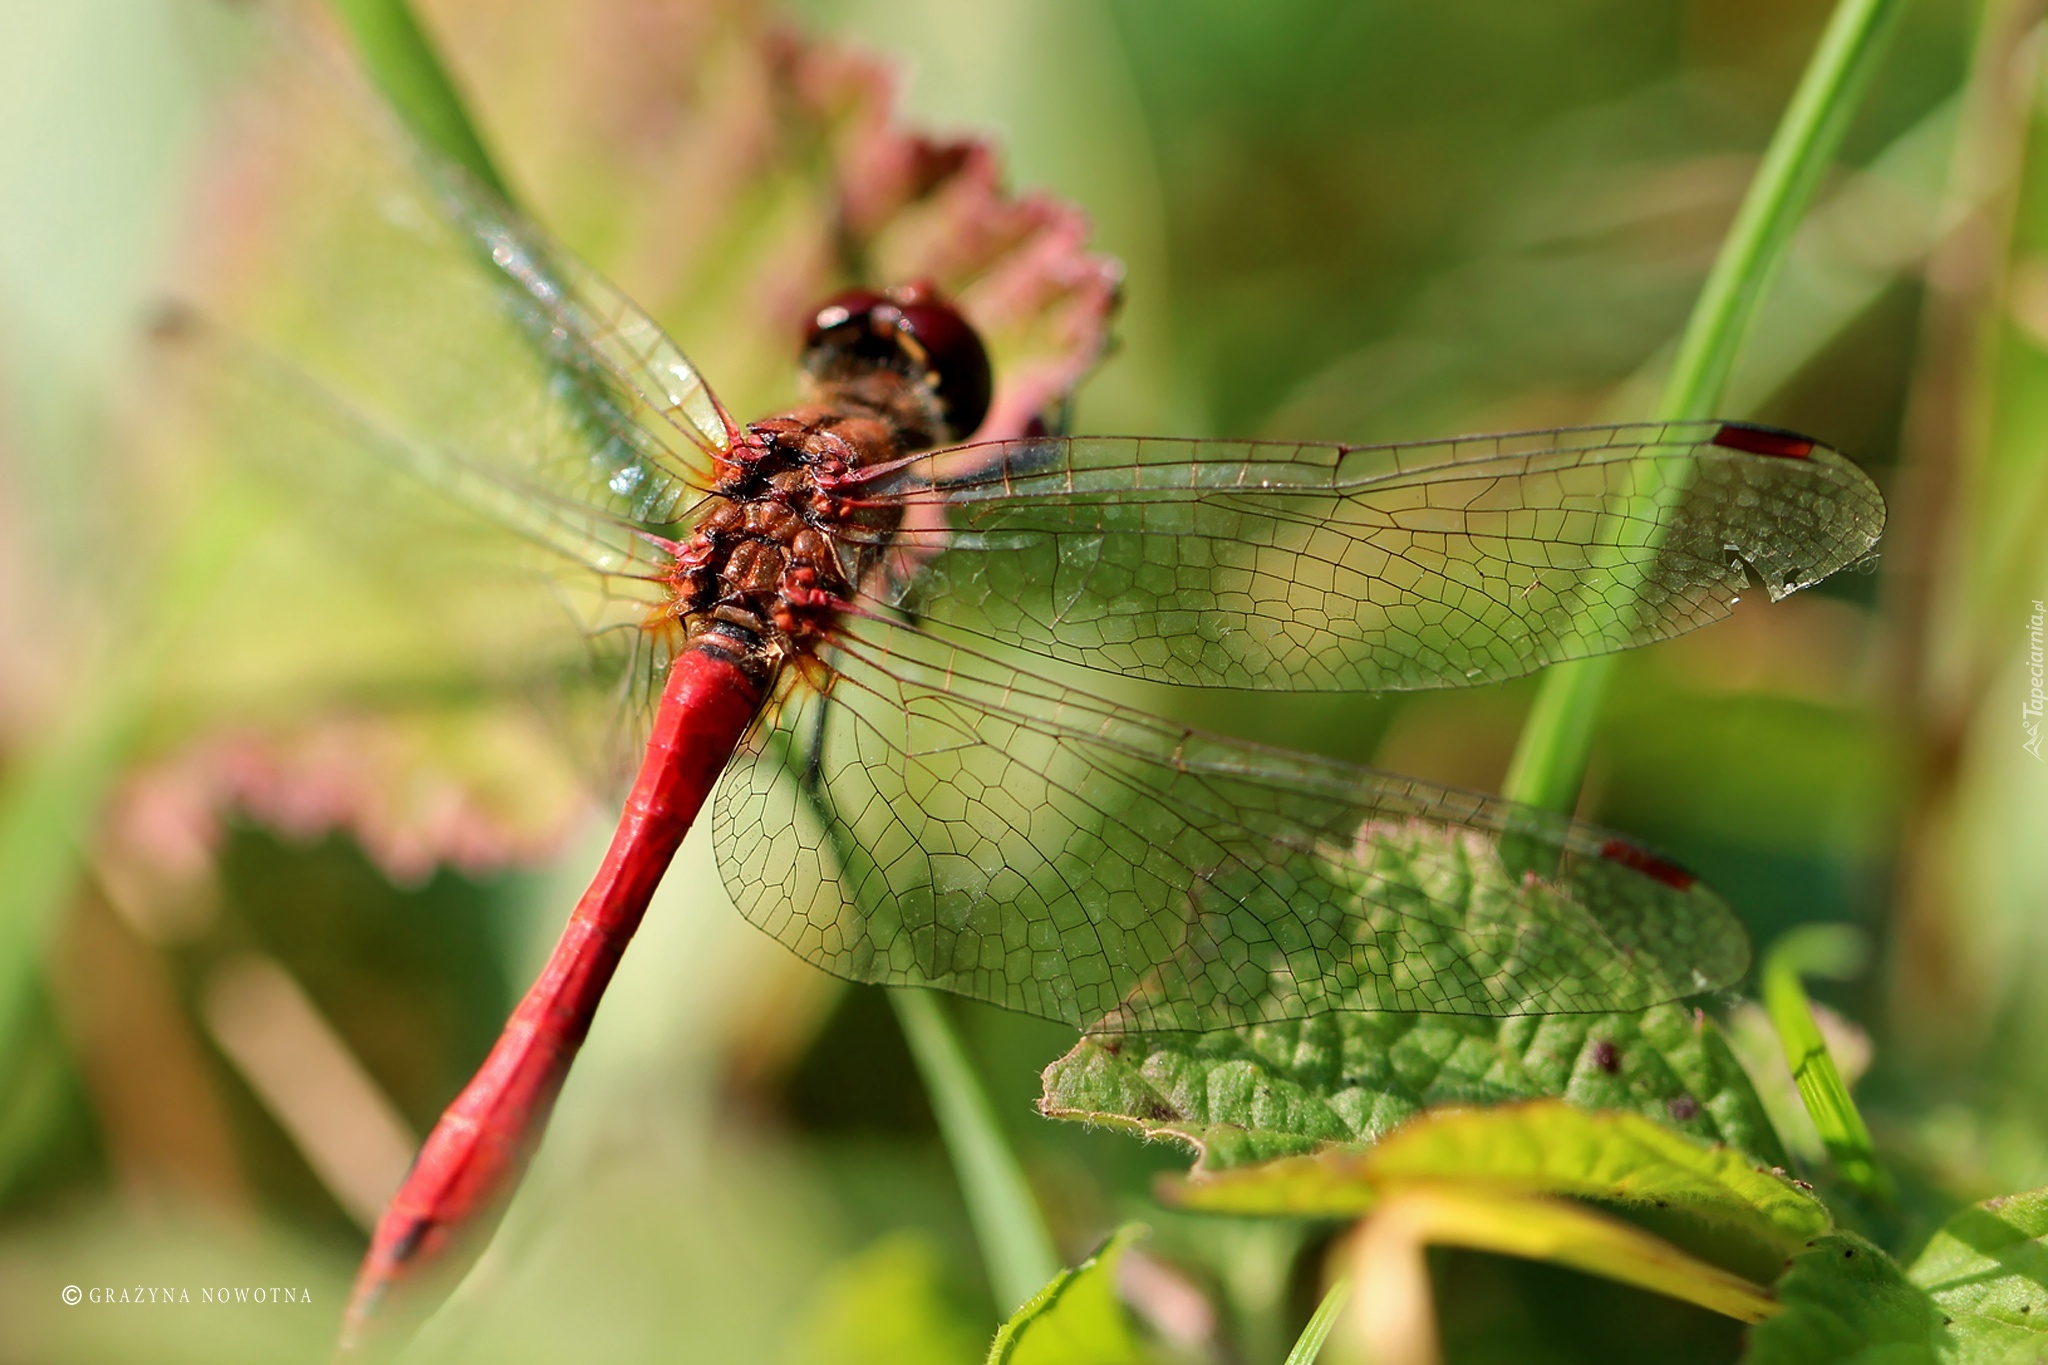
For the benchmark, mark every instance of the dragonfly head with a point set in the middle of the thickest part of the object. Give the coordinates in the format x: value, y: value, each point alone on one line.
x: 911, y: 332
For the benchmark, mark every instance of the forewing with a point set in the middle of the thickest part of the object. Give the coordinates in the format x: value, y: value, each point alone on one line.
x: 392, y: 278
x: 499, y: 578
x: 1272, y: 565
x: 651, y: 429
x: 938, y: 819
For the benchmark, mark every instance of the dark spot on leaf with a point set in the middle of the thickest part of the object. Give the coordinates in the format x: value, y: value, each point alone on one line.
x: 1113, y: 1046
x: 1848, y: 1253
x: 1684, y: 1108
x: 1607, y: 1056
x: 1662, y: 1204
x: 1161, y: 1113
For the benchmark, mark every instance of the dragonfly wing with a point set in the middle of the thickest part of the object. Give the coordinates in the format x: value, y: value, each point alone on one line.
x: 490, y: 559
x: 1271, y: 565
x: 935, y: 818
x: 651, y: 426
x: 390, y: 277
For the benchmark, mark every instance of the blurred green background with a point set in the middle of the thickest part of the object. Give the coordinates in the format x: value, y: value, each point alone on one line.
x: 1348, y: 220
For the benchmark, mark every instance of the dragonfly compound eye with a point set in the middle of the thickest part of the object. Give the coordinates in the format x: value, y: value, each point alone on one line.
x: 912, y: 328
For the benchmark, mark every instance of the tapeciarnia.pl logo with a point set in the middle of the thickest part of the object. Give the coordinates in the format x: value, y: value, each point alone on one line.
x: 2030, y: 710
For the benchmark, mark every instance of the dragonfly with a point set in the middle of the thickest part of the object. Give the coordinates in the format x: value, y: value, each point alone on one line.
x: 821, y: 608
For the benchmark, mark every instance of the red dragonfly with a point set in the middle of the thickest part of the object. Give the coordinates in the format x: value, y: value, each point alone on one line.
x: 814, y: 595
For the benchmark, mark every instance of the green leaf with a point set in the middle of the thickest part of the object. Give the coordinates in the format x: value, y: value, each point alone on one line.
x: 1979, y: 1292
x: 1076, y: 1319
x: 1277, y: 1090
x: 1846, y: 1301
x: 1987, y: 1273
x: 887, y: 1306
x: 1545, y: 1147
x: 1391, y: 1274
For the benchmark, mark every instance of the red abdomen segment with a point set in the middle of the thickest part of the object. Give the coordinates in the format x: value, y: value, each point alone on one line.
x: 473, y: 1160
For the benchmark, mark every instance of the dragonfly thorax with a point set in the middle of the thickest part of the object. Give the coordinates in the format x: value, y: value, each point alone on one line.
x: 781, y: 545
x: 775, y: 550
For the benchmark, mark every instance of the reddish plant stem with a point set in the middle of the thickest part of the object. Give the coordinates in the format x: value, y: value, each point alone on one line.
x: 472, y: 1162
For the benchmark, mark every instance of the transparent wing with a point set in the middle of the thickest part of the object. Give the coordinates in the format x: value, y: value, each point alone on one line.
x: 938, y: 819
x: 652, y: 427
x: 509, y: 585
x: 438, y: 310
x: 1441, y: 563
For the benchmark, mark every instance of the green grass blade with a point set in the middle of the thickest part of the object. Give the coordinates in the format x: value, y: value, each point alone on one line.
x: 400, y: 59
x: 1557, y: 740
x: 1014, y: 1242
x: 1310, y: 1344
x: 47, y: 810
x: 1835, y: 951
x: 50, y: 800
x: 1799, y: 154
